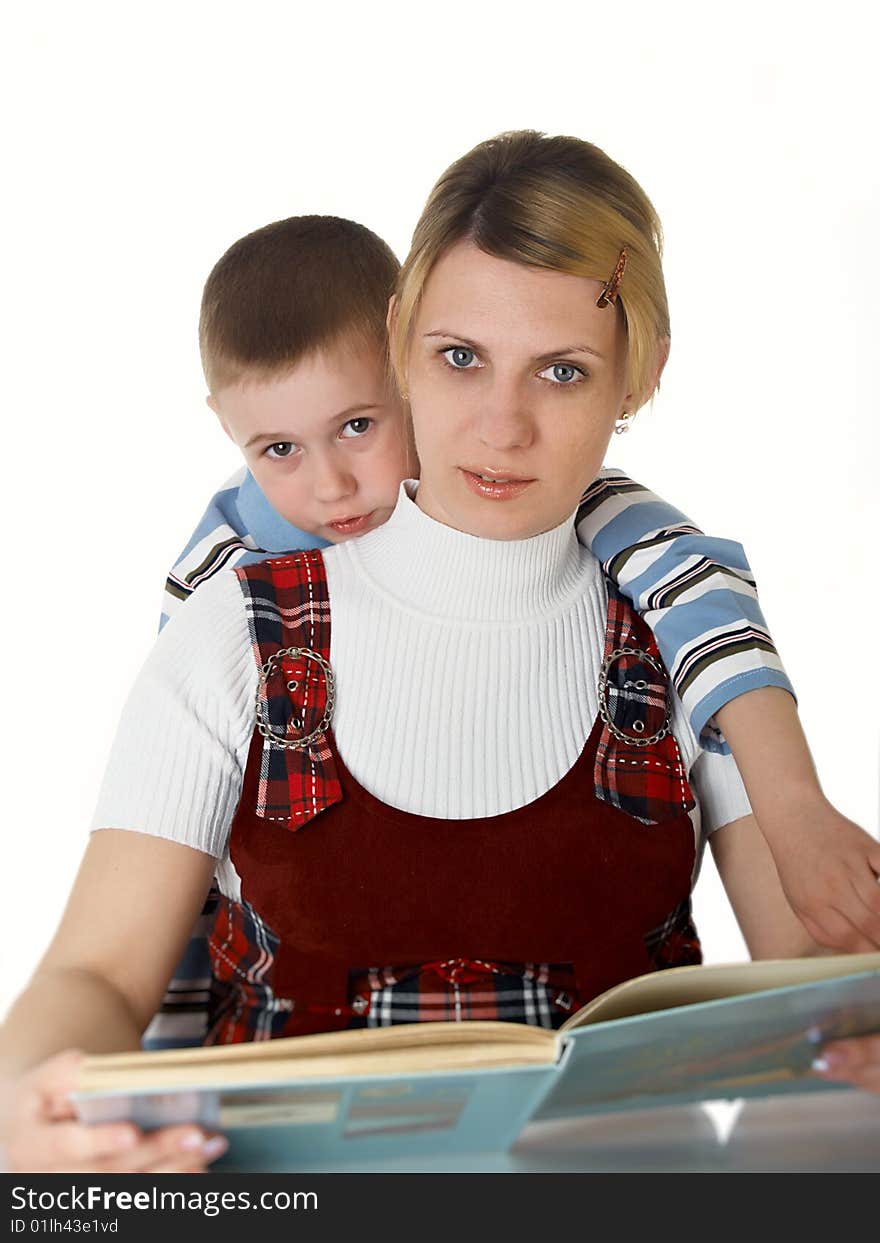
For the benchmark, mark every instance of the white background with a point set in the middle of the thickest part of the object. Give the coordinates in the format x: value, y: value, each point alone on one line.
x: 141, y: 142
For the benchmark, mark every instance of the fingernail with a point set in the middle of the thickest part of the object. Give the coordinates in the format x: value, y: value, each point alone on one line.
x: 830, y: 1059
x: 215, y: 1146
x: 191, y: 1141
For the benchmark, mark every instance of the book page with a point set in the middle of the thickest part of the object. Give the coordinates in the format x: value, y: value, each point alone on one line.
x: 400, y: 1049
x: 682, y: 986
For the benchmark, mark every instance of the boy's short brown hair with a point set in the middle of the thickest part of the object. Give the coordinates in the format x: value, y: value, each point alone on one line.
x: 291, y: 288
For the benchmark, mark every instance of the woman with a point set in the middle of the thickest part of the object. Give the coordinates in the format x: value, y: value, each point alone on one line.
x: 469, y: 637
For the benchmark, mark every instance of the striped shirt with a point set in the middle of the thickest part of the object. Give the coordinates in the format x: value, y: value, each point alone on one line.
x: 696, y: 592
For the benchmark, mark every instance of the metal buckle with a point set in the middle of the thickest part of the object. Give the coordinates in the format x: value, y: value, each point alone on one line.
x: 266, y: 671
x: 604, y: 711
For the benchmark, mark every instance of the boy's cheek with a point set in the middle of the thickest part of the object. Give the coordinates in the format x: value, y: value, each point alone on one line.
x: 399, y: 459
x: 284, y: 496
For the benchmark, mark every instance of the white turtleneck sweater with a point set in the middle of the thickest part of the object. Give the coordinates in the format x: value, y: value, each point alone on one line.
x: 466, y: 673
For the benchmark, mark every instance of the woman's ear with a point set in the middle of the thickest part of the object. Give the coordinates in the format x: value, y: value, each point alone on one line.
x: 391, y: 328
x: 662, y: 357
x: 629, y: 405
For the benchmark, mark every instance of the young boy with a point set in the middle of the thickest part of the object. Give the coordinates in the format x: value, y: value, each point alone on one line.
x: 292, y: 336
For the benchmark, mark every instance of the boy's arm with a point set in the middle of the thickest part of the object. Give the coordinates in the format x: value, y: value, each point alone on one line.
x: 698, y: 595
x: 238, y: 527
x: 220, y: 540
x: 771, y: 931
x: 828, y: 867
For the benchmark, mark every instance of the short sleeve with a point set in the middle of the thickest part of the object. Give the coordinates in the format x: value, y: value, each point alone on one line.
x: 719, y: 790
x: 178, y: 758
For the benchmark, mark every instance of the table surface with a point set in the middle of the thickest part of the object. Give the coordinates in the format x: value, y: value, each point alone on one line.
x: 818, y: 1132
x: 827, y: 1132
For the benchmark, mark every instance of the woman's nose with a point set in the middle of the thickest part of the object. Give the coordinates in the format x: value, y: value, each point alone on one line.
x: 504, y: 421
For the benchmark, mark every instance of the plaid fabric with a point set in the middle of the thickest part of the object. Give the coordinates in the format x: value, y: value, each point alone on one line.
x: 460, y: 990
x: 675, y: 942
x: 181, y: 1020
x: 243, y: 951
x: 286, y: 606
x: 538, y: 994
x: 646, y: 782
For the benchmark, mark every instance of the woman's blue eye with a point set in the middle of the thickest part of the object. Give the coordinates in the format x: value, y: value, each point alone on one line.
x: 562, y: 374
x: 281, y: 448
x: 460, y: 357
x: 356, y: 427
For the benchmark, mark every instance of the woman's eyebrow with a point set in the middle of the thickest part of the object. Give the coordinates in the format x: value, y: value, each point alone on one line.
x: 456, y: 336
x: 570, y: 349
x: 539, y: 358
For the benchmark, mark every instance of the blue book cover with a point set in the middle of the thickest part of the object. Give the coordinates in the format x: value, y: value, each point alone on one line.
x: 425, y: 1092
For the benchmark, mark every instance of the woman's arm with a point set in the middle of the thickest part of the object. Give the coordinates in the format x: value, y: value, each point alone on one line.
x: 174, y: 776
x: 130, y: 911
x: 769, y: 926
x: 129, y: 914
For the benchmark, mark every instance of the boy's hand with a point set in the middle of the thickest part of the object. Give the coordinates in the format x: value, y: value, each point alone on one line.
x: 44, y: 1135
x: 829, y: 869
x: 827, y: 865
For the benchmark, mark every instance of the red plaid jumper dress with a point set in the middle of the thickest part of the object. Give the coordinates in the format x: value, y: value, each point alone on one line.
x: 354, y: 913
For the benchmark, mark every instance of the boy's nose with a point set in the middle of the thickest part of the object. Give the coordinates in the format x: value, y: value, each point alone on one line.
x: 331, y: 482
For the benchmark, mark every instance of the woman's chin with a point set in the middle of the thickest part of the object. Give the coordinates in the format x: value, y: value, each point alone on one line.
x: 500, y: 522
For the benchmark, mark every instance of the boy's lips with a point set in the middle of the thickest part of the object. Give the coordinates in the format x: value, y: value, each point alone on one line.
x: 495, y: 485
x: 351, y: 526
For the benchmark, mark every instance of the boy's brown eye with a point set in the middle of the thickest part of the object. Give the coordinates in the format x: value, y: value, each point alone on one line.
x: 356, y: 427
x: 281, y: 448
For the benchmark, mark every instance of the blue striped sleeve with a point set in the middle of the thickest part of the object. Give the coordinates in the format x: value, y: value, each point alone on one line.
x: 238, y: 527
x: 697, y: 593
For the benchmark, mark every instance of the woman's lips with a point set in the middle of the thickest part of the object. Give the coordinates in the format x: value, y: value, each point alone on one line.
x: 493, y: 485
x: 351, y: 526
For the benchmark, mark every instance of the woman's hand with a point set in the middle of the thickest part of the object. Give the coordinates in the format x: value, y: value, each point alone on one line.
x: 855, y: 1061
x: 44, y: 1135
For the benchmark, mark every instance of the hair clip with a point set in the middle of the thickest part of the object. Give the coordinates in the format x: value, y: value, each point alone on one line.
x: 609, y: 289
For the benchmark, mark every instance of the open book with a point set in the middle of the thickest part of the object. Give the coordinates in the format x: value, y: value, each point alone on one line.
x: 673, y: 1036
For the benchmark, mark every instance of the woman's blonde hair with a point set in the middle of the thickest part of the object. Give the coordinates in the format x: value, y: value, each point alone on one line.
x: 550, y: 202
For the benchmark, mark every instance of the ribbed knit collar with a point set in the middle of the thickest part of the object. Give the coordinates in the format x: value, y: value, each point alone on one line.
x: 446, y: 573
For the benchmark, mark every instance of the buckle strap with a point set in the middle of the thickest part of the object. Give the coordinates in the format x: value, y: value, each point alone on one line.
x: 288, y: 615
